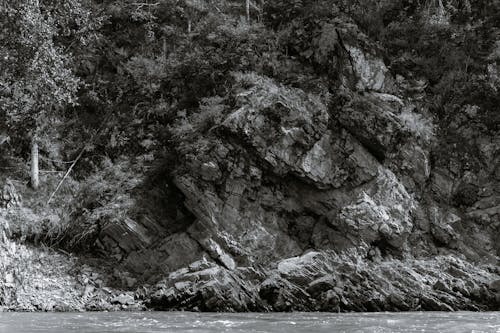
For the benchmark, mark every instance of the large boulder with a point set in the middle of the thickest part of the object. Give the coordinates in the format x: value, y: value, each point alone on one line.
x: 290, y: 131
x: 443, y: 225
x: 382, y: 211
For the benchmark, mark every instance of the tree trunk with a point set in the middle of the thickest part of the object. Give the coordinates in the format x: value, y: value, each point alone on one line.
x: 35, y: 181
x: 164, y: 55
x: 441, y: 8
x: 247, y: 5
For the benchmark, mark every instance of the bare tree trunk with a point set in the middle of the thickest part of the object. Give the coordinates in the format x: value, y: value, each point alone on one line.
x: 247, y: 7
x: 164, y: 55
x: 35, y: 181
x: 441, y: 8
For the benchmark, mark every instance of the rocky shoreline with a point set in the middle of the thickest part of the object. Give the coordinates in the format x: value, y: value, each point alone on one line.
x: 315, y: 281
x: 38, y: 279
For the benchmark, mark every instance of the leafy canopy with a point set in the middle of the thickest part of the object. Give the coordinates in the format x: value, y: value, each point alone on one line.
x: 36, y: 74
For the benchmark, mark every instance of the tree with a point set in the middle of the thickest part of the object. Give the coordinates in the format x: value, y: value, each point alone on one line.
x: 247, y: 9
x: 194, y: 10
x: 36, y: 77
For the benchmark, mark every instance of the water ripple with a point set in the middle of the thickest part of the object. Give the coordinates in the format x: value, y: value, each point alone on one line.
x: 187, y: 322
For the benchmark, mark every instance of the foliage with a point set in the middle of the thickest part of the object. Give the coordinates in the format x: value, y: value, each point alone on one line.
x: 38, y: 44
x: 279, y: 13
x: 421, y: 127
x: 103, y: 196
x: 31, y: 219
x: 147, y: 73
x: 209, y: 114
x: 35, y: 71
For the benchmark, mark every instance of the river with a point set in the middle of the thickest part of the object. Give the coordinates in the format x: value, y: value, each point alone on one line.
x: 90, y: 322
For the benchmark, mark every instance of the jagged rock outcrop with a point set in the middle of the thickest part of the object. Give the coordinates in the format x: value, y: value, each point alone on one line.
x: 333, y: 183
x: 293, y: 212
x: 326, y: 281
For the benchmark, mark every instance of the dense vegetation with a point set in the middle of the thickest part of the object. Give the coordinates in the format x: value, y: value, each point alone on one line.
x: 124, y: 86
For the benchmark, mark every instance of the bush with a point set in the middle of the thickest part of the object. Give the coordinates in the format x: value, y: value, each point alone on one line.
x: 418, y: 125
x: 147, y: 73
x: 209, y: 114
x: 103, y: 196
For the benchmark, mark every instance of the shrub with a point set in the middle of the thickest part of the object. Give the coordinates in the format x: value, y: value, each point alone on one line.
x: 146, y: 72
x: 209, y: 114
x: 103, y: 196
x: 418, y: 125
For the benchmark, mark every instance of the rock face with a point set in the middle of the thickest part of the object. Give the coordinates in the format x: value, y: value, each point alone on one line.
x: 290, y: 179
x: 325, y: 180
x: 295, y: 201
x: 300, y: 206
x: 371, y: 71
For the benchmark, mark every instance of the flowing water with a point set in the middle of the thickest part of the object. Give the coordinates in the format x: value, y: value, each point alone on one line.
x: 454, y: 322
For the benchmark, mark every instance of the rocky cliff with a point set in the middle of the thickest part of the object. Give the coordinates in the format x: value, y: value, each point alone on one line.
x: 299, y: 201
